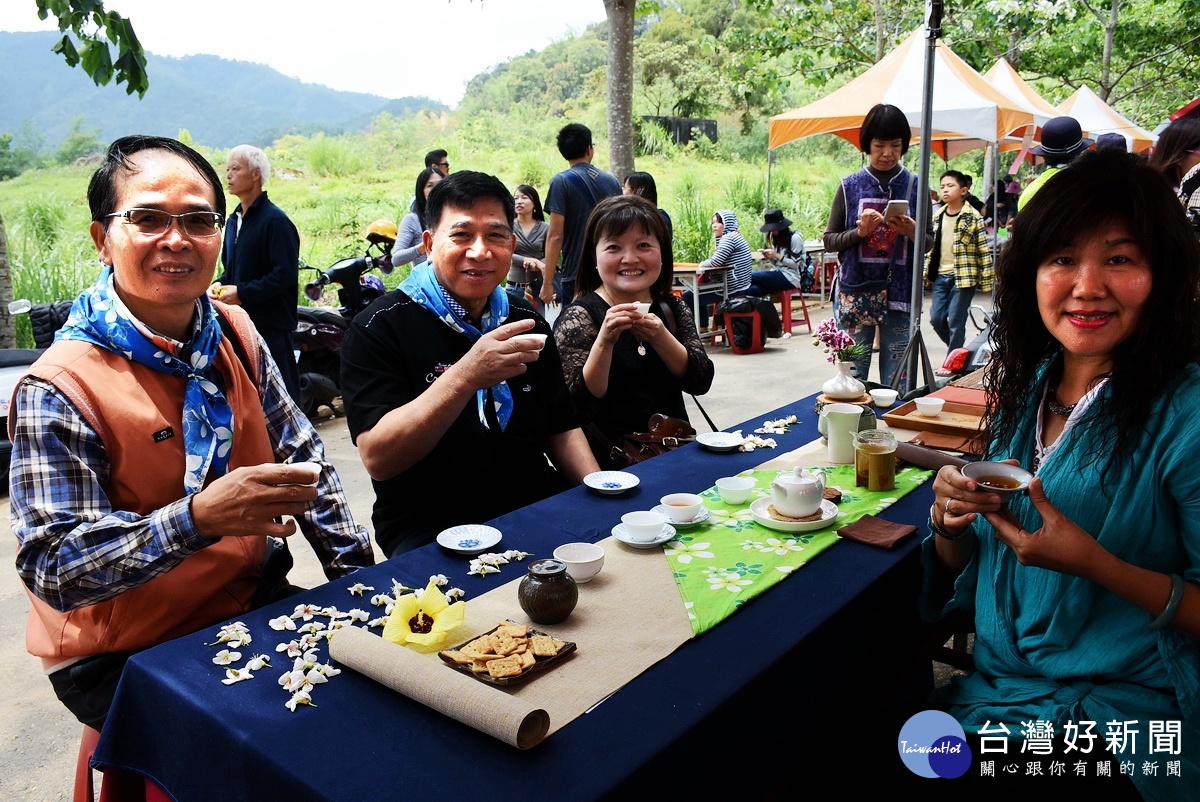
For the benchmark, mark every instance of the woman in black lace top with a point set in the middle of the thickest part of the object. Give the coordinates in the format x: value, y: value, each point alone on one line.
x: 623, y: 365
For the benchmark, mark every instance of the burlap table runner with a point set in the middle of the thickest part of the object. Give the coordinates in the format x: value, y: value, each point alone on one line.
x: 628, y: 618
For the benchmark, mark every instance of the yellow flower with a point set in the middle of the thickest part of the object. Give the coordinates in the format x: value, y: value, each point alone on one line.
x: 423, y: 621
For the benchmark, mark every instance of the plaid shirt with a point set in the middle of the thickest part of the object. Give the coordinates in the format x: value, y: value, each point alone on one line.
x: 75, y: 549
x: 972, y: 251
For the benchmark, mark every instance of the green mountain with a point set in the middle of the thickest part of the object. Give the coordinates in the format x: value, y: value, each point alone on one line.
x: 222, y: 103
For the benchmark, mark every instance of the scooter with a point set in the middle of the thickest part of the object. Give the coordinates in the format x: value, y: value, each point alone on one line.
x: 321, y: 330
x: 976, y: 353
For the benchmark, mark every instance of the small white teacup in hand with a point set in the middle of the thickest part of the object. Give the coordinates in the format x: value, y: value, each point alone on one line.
x: 539, y: 339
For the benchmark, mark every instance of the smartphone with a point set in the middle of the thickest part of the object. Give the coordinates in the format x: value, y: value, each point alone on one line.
x: 896, y: 208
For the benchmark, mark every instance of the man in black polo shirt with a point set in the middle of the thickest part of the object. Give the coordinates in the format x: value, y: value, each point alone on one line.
x: 457, y: 419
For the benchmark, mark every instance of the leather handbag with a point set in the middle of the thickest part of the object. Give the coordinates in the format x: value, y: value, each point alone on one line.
x: 663, y: 434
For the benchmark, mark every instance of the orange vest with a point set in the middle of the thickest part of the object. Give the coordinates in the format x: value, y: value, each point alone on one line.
x: 127, y: 403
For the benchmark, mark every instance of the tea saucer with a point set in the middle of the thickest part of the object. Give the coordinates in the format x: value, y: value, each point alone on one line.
x: 702, y: 516
x: 611, y: 483
x: 720, y: 441
x: 622, y: 535
x: 469, y: 538
x: 758, y: 509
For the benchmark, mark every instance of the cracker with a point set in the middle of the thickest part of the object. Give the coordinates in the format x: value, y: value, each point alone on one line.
x: 544, y: 646
x: 504, y: 667
x: 458, y: 657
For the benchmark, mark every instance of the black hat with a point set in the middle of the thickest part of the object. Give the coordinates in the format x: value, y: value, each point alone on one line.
x: 775, y: 221
x: 1112, y: 140
x: 1062, y: 140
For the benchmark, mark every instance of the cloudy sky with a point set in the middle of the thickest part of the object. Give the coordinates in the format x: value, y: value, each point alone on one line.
x: 393, y: 48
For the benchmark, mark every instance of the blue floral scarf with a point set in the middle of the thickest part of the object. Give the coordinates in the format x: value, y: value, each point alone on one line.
x: 424, y: 288
x: 98, y: 317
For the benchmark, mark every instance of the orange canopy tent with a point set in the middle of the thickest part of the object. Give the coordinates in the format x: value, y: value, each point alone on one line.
x: 1006, y: 79
x: 968, y: 112
x: 1097, y: 117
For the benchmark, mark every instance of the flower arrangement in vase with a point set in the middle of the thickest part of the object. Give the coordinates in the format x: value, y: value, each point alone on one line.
x: 842, y: 352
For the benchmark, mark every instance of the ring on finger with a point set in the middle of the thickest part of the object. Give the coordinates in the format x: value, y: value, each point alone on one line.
x: 946, y: 506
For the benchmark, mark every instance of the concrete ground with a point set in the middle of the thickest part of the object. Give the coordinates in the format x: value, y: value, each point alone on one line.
x: 39, y: 739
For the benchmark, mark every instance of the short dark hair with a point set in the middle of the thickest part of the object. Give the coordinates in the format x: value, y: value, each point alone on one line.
x: 959, y: 177
x: 461, y: 190
x: 885, y: 123
x: 435, y: 156
x: 573, y: 140
x: 1074, y: 206
x: 612, y: 217
x: 531, y: 193
x: 643, y: 184
x: 102, y: 188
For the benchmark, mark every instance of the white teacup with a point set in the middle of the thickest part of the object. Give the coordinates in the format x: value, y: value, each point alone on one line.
x: 928, y: 406
x: 644, y: 525
x: 643, y: 309
x: 539, y: 339
x: 735, y: 489
x: 682, y: 507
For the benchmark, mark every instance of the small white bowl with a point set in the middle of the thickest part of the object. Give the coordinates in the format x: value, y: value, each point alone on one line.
x: 583, y: 560
x: 929, y: 407
x: 883, y: 397
x: 735, y: 489
x: 998, y: 477
x: 643, y: 525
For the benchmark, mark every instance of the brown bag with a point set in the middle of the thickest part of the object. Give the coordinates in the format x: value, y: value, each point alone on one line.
x: 664, y: 433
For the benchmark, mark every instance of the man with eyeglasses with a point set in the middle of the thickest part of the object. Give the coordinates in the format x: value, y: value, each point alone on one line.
x: 437, y: 160
x: 155, y: 448
x: 262, y: 260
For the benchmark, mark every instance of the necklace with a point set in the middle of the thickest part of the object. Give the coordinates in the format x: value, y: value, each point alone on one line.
x: 1058, y: 407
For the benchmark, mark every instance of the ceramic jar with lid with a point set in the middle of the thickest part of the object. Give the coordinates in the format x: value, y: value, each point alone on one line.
x: 547, y: 593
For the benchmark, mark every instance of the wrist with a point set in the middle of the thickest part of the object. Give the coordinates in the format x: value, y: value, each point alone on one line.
x: 939, y: 528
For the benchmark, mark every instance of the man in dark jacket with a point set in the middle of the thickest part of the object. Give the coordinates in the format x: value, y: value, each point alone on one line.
x: 262, y: 260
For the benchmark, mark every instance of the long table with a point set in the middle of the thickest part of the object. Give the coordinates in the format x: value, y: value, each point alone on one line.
x: 821, y: 657
x: 712, y: 279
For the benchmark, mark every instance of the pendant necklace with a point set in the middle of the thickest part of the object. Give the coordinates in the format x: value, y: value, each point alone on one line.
x: 641, y: 349
x: 1058, y: 407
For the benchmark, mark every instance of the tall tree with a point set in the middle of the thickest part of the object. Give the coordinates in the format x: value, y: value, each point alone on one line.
x: 98, y: 33
x: 620, y: 15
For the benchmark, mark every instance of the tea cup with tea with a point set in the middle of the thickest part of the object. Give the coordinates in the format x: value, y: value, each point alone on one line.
x: 998, y: 477
x: 681, y: 508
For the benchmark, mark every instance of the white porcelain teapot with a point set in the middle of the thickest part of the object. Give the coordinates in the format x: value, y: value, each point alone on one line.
x: 798, y: 494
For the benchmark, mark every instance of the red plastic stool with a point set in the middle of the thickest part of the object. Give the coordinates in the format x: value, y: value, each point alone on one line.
x: 756, y: 338
x: 785, y: 299
x: 85, y: 790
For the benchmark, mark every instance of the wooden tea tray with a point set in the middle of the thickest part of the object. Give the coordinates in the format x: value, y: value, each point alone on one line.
x: 961, y: 419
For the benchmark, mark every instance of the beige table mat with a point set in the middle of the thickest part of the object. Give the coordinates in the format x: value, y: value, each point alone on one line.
x: 628, y: 618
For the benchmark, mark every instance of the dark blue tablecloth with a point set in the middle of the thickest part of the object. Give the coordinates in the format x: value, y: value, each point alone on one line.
x: 708, y: 716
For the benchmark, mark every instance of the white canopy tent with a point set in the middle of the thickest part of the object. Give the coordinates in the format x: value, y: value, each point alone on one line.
x: 1097, y: 117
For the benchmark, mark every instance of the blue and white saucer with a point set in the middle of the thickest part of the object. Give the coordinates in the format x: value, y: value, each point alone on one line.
x: 611, y: 483
x: 469, y: 538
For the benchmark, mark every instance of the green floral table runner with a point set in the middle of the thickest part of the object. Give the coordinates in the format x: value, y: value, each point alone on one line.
x: 725, y: 561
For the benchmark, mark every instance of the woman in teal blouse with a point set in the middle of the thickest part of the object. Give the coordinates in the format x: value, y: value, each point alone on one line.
x: 1084, y: 589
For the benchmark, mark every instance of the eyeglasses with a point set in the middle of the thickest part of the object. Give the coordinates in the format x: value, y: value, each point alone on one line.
x: 156, y: 222
x: 443, y: 164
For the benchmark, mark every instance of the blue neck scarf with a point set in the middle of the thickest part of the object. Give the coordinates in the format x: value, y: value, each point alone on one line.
x: 424, y: 288
x: 99, y: 317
